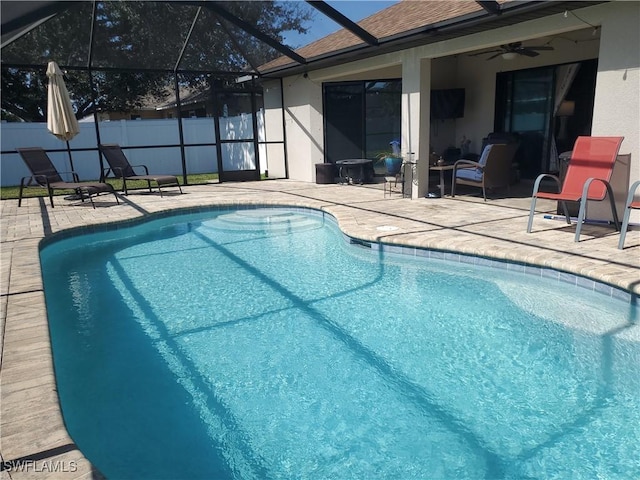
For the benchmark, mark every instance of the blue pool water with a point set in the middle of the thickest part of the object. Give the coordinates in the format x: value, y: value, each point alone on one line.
x: 258, y: 343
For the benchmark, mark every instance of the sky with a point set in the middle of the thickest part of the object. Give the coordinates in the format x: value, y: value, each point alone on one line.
x: 356, y: 10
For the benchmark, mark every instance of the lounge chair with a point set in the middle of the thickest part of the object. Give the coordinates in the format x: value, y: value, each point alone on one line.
x: 45, y: 175
x: 119, y: 165
x: 587, y: 178
x: 631, y: 204
x: 491, y: 171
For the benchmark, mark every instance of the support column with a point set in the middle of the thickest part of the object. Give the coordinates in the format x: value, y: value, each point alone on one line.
x: 416, y: 105
x: 617, y: 85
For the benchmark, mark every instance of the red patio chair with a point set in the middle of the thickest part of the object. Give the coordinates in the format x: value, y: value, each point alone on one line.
x: 587, y: 178
x: 631, y: 203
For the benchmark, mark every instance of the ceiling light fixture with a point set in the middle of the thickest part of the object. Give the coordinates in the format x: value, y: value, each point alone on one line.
x: 509, y: 55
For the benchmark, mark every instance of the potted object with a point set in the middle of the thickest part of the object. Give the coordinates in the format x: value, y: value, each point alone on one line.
x: 393, y: 159
x: 393, y: 164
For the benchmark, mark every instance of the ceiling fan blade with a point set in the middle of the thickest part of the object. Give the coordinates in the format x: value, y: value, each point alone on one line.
x: 483, y: 53
x: 515, y: 47
x: 527, y: 52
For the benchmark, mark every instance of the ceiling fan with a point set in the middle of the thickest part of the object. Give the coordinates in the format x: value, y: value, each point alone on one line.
x: 511, y: 50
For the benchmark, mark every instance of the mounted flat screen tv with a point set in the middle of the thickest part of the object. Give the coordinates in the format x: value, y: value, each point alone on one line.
x: 447, y: 103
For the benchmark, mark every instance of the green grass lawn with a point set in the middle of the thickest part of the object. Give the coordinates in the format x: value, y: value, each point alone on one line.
x: 13, y: 192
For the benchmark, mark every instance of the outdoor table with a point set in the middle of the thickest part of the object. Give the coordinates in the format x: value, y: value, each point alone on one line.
x: 349, y: 166
x: 441, y: 168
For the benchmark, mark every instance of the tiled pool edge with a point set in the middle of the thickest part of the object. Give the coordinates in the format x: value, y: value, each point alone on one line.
x: 553, y: 274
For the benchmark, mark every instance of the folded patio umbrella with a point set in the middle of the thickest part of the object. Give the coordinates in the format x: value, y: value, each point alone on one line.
x: 61, y: 120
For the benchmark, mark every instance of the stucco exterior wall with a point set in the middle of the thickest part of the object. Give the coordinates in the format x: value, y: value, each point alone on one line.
x: 444, y: 74
x: 274, y: 160
x: 304, y: 124
x: 617, y: 103
x: 617, y: 99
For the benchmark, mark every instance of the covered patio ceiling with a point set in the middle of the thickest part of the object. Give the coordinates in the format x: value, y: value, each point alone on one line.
x: 379, y: 33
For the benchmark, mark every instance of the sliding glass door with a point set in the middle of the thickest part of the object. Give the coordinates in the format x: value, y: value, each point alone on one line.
x: 360, y: 119
x: 548, y: 108
x: 343, y: 121
x: 525, y: 106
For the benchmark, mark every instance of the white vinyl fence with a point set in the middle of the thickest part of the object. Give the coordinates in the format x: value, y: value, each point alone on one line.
x: 129, y: 133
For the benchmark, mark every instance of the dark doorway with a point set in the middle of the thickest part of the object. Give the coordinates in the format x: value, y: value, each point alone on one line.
x: 361, y: 119
x: 525, y: 104
x: 581, y: 94
x: 524, y: 100
x: 344, y: 126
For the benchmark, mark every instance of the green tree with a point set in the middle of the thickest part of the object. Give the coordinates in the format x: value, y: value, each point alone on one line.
x: 147, y: 39
x: 21, y: 95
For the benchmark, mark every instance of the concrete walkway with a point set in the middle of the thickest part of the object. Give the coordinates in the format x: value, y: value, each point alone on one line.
x: 32, y: 433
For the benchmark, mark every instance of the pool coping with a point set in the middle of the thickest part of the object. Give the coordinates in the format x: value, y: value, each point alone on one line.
x: 527, y: 268
x: 33, y: 431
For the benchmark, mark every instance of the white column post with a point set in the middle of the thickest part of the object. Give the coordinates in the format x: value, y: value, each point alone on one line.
x: 416, y: 104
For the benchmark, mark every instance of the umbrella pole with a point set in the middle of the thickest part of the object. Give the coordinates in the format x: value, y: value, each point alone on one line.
x: 75, y: 196
x: 70, y: 159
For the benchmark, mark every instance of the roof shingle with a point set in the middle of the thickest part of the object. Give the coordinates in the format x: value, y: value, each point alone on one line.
x: 405, y: 16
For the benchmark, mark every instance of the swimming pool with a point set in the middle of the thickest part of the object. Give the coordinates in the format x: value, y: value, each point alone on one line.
x: 258, y: 343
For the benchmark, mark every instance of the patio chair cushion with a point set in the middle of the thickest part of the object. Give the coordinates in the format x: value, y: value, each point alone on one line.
x: 475, y: 174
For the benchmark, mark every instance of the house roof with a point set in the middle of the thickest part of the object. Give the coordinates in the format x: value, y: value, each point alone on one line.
x: 387, y: 23
x: 411, y: 23
x: 188, y: 97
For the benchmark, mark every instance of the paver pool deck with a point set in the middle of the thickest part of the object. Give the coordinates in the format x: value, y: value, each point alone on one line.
x: 34, y: 442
